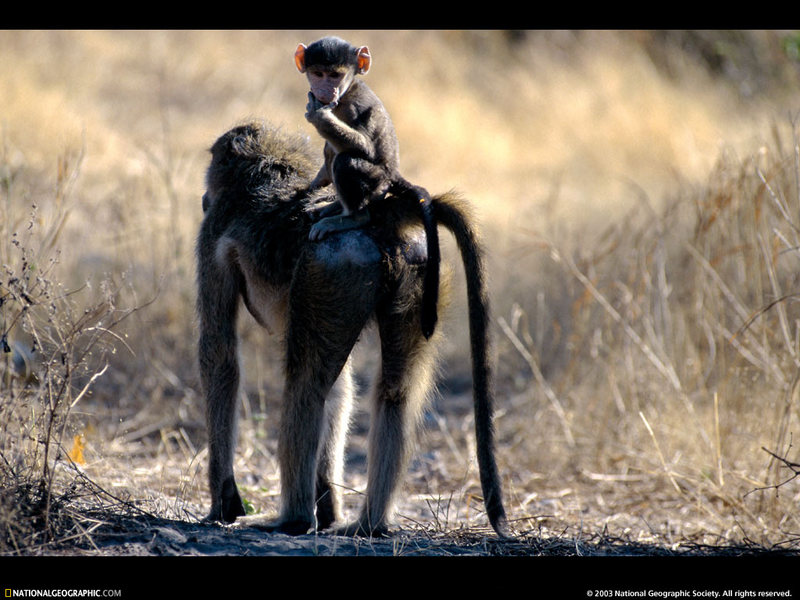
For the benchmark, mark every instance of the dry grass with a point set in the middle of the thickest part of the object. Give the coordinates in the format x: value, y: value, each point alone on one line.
x: 640, y: 199
x: 675, y: 364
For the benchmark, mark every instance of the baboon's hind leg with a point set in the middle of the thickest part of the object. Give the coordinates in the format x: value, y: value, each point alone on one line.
x: 401, y: 392
x: 330, y: 463
x: 333, y: 295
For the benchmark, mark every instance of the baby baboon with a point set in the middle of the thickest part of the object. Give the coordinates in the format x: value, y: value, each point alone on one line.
x: 362, y: 155
x: 253, y: 244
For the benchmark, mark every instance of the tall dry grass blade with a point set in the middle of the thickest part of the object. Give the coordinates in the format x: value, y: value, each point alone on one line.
x: 778, y: 201
x: 717, y: 441
x: 780, y: 306
x: 666, y: 468
x: 537, y: 373
x: 86, y: 387
x: 796, y: 147
x: 744, y: 351
x: 665, y: 369
x: 737, y: 305
x: 765, y: 363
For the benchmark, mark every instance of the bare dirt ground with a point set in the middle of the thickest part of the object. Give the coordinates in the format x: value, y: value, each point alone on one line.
x: 136, y: 554
x: 145, y: 497
x: 154, y: 536
x: 139, y: 509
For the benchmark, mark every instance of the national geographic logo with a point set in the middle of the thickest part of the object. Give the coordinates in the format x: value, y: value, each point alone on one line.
x: 25, y: 593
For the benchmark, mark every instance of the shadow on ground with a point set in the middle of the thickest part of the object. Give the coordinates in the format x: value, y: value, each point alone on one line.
x: 153, y: 536
x: 148, y: 556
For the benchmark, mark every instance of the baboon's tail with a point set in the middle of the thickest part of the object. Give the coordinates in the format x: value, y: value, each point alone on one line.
x: 454, y: 213
x: 430, y: 286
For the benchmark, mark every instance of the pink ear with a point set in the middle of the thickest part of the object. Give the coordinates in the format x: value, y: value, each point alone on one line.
x: 364, y: 60
x: 300, y: 58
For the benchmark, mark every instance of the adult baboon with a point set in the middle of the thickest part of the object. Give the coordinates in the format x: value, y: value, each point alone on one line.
x: 253, y: 244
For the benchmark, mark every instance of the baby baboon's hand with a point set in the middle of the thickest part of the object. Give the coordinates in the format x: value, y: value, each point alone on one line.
x: 316, y: 111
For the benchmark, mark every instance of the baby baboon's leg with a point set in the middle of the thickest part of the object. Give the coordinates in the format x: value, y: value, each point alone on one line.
x: 330, y: 463
x: 401, y: 392
x: 218, y: 303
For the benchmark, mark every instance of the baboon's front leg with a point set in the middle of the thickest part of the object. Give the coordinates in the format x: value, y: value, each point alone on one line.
x: 218, y: 303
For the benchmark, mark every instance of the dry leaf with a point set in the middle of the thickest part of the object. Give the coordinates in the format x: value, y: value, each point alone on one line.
x: 78, y: 446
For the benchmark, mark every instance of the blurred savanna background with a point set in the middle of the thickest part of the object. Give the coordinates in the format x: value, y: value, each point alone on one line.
x: 639, y: 194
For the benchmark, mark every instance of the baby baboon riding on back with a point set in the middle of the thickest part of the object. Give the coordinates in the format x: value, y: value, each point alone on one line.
x: 362, y: 155
x: 319, y: 294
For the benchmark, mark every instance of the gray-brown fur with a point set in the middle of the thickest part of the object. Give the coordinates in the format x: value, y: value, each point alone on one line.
x: 253, y: 245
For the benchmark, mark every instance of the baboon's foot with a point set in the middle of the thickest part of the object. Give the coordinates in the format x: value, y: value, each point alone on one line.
x: 326, y: 512
x: 228, y: 507
x: 287, y: 526
x: 359, y: 529
x: 327, y: 225
x: 224, y: 514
